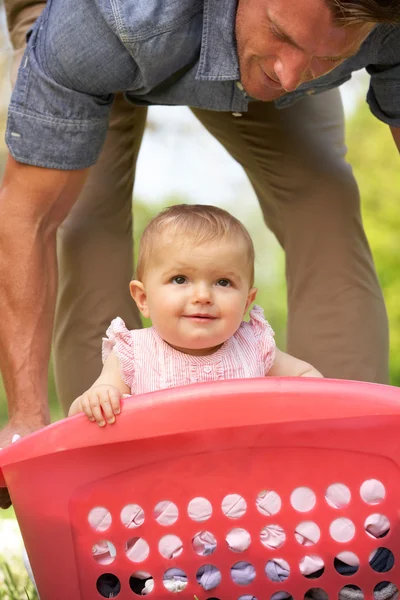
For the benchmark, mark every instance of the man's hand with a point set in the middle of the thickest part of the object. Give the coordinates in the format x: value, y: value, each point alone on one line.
x: 20, y: 427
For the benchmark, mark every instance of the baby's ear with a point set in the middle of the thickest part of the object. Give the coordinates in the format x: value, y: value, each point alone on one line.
x: 138, y: 293
x: 250, y: 298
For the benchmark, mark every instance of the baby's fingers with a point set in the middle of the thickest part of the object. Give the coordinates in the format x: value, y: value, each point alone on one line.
x: 106, y: 407
x: 86, y: 407
x: 97, y: 409
x: 115, y: 400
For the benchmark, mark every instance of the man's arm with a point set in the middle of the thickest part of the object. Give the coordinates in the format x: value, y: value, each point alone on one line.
x: 33, y: 203
x: 396, y: 136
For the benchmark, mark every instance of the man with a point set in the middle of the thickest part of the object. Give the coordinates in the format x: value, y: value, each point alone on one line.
x: 253, y: 74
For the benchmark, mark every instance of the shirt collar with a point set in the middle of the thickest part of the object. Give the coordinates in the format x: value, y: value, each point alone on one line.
x: 218, y: 56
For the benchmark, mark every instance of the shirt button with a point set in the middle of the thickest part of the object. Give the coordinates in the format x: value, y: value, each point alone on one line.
x: 237, y: 114
x: 207, y: 369
x: 239, y: 85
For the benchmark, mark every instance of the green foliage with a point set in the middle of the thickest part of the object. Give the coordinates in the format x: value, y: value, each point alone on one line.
x: 376, y: 164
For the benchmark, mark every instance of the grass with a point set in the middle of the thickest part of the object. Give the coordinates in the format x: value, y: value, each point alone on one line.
x: 15, y: 583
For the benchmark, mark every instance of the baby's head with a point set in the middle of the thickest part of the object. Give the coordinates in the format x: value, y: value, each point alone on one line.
x: 195, y: 276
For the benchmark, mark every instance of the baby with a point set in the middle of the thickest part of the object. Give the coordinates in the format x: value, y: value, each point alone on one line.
x: 195, y: 281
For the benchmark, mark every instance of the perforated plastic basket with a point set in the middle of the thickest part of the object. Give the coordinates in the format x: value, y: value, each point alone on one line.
x: 233, y: 439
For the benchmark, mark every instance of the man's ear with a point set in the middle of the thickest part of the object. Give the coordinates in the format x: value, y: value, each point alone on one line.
x: 250, y: 298
x: 138, y: 293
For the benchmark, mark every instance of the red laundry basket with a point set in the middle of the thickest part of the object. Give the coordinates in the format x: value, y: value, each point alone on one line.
x: 210, y: 441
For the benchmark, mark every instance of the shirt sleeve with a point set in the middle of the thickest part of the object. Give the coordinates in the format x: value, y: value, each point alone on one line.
x: 265, y: 337
x: 384, y: 90
x: 120, y: 340
x: 50, y: 123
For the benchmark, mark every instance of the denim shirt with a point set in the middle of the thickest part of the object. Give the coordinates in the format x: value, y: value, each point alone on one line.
x: 174, y: 52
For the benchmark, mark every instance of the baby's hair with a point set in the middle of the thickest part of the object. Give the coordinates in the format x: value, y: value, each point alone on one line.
x: 197, y: 223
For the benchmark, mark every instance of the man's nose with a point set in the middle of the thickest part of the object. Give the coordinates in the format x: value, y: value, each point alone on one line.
x: 292, y: 70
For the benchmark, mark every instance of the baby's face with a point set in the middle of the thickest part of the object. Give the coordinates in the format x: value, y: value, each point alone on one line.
x: 197, y: 296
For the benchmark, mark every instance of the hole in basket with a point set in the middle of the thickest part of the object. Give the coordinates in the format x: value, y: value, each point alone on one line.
x: 99, y: 518
x: 272, y: 536
x: 108, y: 585
x: 277, y: 570
x: 338, y: 495
x: 312, y: 566
x: 104, y: 552
x: 141, y: 583
x: 351, y: 591
x: 346, y: 563
x: 234, y: 506
x: 199, y: 509
x: 132, y: 516
x: 170, y: 546
x: 386, y: 589
x: 342, y: 530
x: 303, y: 499
x: 316, y: 594
x: 175, y: 580
x: 381, y: 560
x: 281, y: 596
x: 377, y: 526
x: 268, y: 503
x: 243, y: 573
x: 307, y: 533
x: 238, y: 540
x: 204, y: 543
x: 208, y: 577
x: 166, y: 513
x: 137, y: 549
x: 372, y: 491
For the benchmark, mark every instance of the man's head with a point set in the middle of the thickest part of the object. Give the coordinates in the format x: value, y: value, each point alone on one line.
x: 283, y: 43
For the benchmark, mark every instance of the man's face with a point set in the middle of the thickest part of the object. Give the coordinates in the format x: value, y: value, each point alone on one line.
x: 283, y: 43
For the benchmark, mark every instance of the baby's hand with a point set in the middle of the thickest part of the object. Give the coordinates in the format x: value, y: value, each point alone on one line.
x: 101, y: 403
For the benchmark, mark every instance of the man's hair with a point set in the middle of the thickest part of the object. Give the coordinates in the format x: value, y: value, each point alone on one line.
x: 365, y: 11
x: 196, y: 223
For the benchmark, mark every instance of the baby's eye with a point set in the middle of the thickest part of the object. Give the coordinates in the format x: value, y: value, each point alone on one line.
x: 224, y: 282
x: 179, y: 279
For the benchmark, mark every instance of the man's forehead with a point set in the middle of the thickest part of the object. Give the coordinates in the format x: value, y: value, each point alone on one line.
x: 310, y: 24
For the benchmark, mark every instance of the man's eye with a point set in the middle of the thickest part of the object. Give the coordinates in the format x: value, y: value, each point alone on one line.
x: 224, y: 282
x: 279, y: 36
x: 179, y: 279
x: 335, y: 61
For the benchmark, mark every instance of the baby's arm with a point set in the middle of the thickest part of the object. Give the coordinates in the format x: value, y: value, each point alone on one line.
x: 101, y: 402
x: 286, y: 365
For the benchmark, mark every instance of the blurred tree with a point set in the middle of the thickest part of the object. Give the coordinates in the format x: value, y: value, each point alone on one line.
x: 375, y: 161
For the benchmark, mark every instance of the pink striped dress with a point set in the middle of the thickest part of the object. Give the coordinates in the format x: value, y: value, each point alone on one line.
x: 148, y: 363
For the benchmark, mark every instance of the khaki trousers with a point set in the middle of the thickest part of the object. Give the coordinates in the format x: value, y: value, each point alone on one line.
x: 295, y: 160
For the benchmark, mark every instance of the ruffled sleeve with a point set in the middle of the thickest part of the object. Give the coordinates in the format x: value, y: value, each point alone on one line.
x: 120, y: 340
x: 264, y: 335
